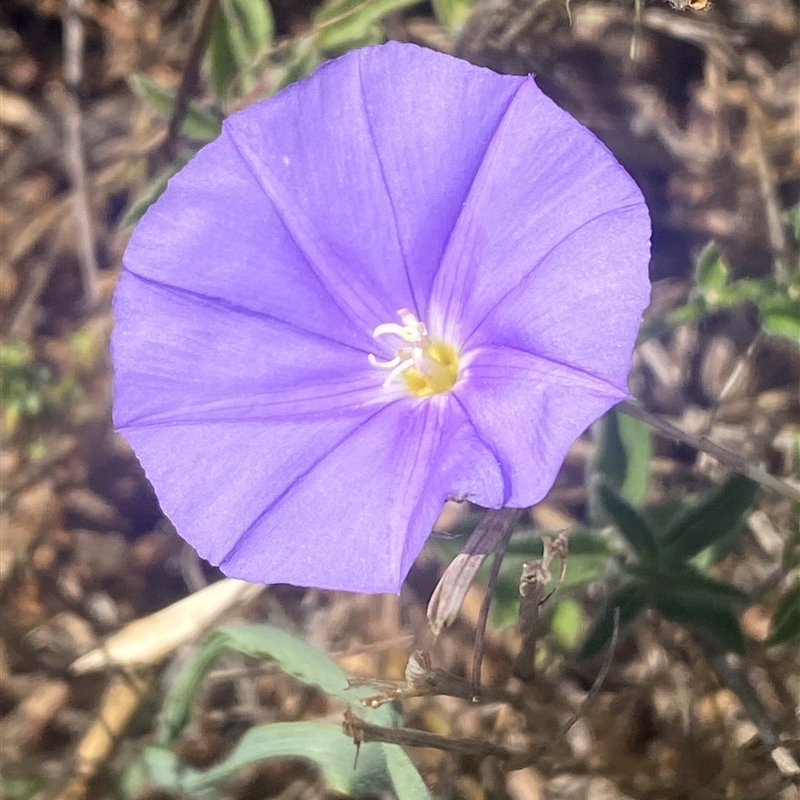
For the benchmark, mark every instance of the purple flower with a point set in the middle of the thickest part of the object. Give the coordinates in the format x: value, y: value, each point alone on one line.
x: 402, y: 280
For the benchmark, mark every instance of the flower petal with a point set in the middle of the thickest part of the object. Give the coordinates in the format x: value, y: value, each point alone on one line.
x: 431, y: 118
x: 532, y: 410
x: 582, y: 305
x: 361, y: 130
x: 208, y: 360
x: 214, y: 233
x: 544, y: 180
x: 343, y: 503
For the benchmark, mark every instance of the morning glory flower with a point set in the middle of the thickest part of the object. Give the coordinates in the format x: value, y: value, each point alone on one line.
x: 401, y: 280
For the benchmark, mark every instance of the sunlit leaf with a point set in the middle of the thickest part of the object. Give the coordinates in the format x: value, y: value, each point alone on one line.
x: 452, y: 13
x: 343, y: 24
x: 294, y: 656
x: 711, y: 271
x: 623, y: 451
x: 242, y: 30
x: 567, y: 623
x: 323, y: 743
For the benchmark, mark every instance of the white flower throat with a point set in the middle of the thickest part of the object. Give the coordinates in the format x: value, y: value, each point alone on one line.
x: 424, y: 365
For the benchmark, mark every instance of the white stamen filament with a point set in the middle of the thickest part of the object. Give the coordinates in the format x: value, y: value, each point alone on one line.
x: 431, y: 372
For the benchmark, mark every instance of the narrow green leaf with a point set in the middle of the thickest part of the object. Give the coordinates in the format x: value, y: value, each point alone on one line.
x: 294, y: 656
x: 631, y: 599
x: 792, y: 219
x: 630, y: 524
x: 699, y: 589
x: 785, y: 626
x: 708, y: 521
x: 623, y: 451
x: 198, y: 125
x: 323, y: 743
x: 242, y: 30
x: 407, y: 782
x: 452, y: 13
x: 704, y: 616
x: 343, y: 24
x: 782, y: 325
x: 567, y: 624
x: 711, y: 271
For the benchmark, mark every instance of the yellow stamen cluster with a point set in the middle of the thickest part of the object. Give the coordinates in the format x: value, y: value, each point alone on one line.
x: 426, y: 366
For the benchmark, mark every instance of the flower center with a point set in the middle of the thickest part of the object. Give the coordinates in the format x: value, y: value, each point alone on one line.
x: 427, y: 366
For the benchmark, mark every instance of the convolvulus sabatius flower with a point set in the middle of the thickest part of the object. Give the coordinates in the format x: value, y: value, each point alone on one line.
x: 401, y: 280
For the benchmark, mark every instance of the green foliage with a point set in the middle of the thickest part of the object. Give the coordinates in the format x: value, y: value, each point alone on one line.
x: 24, y: 384
x: 785, y: 626
x: 631, y: 599
x: 200, y: 125
x: 623, y: 449
x: 630, y: 524
x: 662, y: 577
x: 777, y: 299
x: 379, y: 768
x: 243, y: 30
x: 342, y: 25
x: 708, y: 522
x: 452, y: 13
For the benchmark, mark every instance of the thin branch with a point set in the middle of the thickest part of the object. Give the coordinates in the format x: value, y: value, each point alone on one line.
x: 189, y: 77
x: 509, y: 518
x: 705, y: 445
x: 74, y: 155
x: 362, y: 731
x: 736, y: 680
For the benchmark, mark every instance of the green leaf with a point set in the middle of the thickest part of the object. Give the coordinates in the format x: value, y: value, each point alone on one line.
x: 622, y: 454
x: 708, y: 521
x: 293, y: 655
x: 452, y: 13
x: 344, y: 24
x: 630, y: 524
x: 242, y: 30
x: 785, y: 626
x: 711, y: 271
x: 407, y: 782
x: 699, y: 589
x: 198, y: 125
x: 782, y: 325
x: 323, y: 743
x: 568, y: 623
x: 705, y: 616
x: 631, y: 599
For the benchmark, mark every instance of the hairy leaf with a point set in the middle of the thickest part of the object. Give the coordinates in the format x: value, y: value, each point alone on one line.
x: 708, y: 521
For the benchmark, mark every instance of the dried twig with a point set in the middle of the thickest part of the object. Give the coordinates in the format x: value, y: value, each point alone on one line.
x: 535, y: 579
x: 362, y: 731
x: 75, y: 157
x: 509, y: 520
x: 191, y: 72
x: 705, y: 445
x: 734, y: 678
